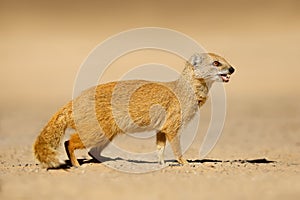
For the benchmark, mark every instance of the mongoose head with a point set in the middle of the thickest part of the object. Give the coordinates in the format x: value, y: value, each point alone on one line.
x: 211, y: 67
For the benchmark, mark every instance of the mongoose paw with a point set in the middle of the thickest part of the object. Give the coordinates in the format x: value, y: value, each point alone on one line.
x: 182, y: 161
x: 162, y: 162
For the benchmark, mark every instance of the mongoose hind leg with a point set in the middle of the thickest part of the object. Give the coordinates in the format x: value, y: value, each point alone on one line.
x: 71, y: 145
x: 160, y: 145
x: 95, y: 152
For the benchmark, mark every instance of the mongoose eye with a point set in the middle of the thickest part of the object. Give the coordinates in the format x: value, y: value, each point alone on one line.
x: 216, y: 63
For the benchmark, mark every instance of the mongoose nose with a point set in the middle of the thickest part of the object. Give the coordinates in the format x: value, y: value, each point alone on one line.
x: 231, y: 70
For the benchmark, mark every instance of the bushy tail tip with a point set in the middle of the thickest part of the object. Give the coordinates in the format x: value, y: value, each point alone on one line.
x: 46, y: 155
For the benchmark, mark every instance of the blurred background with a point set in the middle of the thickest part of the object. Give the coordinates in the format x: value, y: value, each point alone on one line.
x: 43, y: 43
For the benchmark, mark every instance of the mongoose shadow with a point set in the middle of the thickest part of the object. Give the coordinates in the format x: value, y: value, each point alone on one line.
x: 171, y: 162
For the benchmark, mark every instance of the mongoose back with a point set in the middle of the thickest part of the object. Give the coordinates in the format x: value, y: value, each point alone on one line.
x: 107, y: 110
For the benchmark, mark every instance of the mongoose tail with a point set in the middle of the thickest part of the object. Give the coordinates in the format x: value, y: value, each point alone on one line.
x: 49, y: 140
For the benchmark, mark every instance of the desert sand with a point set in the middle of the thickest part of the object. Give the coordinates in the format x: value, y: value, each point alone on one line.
x: 258, y: 155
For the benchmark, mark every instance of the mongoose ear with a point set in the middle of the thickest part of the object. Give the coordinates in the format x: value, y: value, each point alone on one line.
x: 195, y: 59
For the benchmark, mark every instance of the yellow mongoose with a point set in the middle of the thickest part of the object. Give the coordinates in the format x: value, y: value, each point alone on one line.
x: 104, y: 111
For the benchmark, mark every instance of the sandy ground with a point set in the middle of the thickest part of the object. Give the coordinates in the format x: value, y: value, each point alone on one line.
x: 256, y: 157
x: 258, y: 154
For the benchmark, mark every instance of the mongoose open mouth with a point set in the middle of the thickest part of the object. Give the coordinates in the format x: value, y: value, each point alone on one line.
x: 225, y: 77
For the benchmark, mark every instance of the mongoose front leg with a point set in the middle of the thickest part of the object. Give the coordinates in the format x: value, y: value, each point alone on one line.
x: 175, y: 144
x: 160, y: 145
x: 71, y: 145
